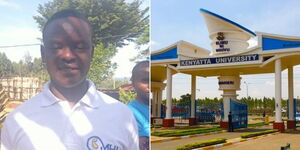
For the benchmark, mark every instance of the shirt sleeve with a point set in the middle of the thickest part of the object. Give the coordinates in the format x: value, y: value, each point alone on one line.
x: 5, y: 137
x: 133, y: 143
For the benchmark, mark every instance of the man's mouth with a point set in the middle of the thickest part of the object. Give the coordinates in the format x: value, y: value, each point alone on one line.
x: 69, y: 70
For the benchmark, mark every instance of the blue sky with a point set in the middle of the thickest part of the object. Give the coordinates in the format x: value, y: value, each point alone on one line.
x: 174, y: 20
x: 17, y: 27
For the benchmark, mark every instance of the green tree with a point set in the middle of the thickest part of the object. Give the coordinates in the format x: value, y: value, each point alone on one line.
x: 28, y: 65
x: 101, y: 66
x: 5, y: 66
x: 143, y: 40
x: 113, y: 22
x: 126, y: 96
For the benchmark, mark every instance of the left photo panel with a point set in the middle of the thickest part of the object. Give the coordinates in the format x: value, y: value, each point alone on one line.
x: 74, y: 75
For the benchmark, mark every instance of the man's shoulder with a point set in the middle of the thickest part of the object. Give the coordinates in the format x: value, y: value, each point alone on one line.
x: 112, y: 103
x: 29, y: 106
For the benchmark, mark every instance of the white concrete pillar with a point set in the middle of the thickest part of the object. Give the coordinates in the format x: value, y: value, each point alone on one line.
x: 159, y: 98
x: 278, y: 91
x: 229, y: 85
x: 227, y: 96
x: 193, y: 96
x: 169, y: 94
x: 291, y: 93
x: 154, y: 102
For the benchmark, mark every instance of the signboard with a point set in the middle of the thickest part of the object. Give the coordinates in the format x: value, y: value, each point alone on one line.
x: 274, y: 44
x: 219, y: 60
x: 158, y: 121
x: 226, y: 82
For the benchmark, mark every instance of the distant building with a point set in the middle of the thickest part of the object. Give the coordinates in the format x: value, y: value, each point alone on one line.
x: 115, y: 92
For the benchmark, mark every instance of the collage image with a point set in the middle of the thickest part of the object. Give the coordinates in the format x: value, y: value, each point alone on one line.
x: 149, y: 75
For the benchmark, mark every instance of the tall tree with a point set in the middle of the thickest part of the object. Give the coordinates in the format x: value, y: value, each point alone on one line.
x: 5, y: 66
x: 113, y: 22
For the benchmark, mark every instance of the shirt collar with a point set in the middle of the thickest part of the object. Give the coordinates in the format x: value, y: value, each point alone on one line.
x: 91, y: 97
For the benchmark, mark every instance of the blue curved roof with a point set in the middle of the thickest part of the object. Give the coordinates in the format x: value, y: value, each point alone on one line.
x: 227, y: 20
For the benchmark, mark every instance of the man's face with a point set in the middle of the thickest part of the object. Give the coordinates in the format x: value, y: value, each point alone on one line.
x: 67, y: 51
x: 141, y: 83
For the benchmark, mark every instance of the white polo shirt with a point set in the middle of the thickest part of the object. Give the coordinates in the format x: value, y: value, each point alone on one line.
x: 96, y: 122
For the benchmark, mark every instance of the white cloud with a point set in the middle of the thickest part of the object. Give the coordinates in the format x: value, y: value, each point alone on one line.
x: 7, y: 3
x: 270, y: 82
x: 19, y: 36
x: 154, y: 44
x: 279, y: 20
x: 122, y: 58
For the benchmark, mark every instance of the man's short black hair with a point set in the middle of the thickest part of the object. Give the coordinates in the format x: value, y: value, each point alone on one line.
x: 136, y: 68
x: 64, y: 14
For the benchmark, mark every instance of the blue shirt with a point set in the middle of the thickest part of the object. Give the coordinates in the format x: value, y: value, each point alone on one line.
x: 141, y: 114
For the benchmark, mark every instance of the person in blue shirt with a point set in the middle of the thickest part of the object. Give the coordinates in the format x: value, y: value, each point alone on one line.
x: 140, y: 106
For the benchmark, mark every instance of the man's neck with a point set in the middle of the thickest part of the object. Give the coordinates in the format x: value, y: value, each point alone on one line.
x: 71, y: 95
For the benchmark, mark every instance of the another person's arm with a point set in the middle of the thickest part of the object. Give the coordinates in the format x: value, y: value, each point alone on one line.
x: 144, y: 142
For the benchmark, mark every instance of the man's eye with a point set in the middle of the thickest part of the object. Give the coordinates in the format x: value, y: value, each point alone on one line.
x: 55, y: 46
x: 81, y: 46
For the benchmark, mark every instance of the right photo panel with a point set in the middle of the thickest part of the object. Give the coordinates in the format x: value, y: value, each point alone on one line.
x: 225, y: 75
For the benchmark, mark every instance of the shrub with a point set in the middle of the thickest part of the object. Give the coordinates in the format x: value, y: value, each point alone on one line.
x: 183, y: 132
x: 253, y: 134
x: 202, y: 144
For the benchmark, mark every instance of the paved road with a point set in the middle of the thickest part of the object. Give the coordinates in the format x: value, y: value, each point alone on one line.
x: 268, y: 143
x: 171, y: 145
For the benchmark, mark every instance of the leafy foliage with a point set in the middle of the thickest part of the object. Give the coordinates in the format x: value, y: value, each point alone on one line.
x: 113, y: 22
x: 255, y: 105
x: 5, y: 65
x: 184, y: 132
x: 126, y: 96
x: 101, y: 66
x: 26, y: 67
x: 202, y: 144
x: 253, y: 134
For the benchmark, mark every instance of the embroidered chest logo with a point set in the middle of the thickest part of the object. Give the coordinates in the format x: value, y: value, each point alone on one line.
x: 95, y: 143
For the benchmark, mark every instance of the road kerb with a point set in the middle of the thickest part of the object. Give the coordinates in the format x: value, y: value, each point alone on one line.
x: 196, y: 135
x: 234, y: 142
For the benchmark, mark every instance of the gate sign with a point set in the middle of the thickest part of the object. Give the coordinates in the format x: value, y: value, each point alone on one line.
x: 219, y: 60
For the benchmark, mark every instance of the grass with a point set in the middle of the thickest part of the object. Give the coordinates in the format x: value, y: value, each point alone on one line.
x: 253, y: 134
x: 256, y: 124
x: 183, y: 132
x: 202, y: 144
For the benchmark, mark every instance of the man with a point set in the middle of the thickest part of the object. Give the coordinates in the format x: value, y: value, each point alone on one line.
x: 140, y: 106
x: 69, y: 113
x: 230, y: 124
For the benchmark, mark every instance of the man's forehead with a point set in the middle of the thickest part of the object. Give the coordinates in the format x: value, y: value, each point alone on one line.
x: 68, y: 25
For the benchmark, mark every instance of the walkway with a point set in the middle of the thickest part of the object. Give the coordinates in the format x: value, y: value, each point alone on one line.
x: 171, y: 145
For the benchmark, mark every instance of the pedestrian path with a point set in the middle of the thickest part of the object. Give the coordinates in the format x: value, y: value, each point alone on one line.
x: 269, y: 142
x: 167, y: 143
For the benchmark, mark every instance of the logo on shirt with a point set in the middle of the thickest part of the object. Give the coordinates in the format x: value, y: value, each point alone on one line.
x: 95, y: 143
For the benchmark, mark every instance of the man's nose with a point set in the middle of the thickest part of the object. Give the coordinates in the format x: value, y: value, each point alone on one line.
x: 68, y: 54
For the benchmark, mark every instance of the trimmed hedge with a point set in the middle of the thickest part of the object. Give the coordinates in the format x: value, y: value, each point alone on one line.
x: 183, y: 132
x: 253, y: 134
x: 202, y: 144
